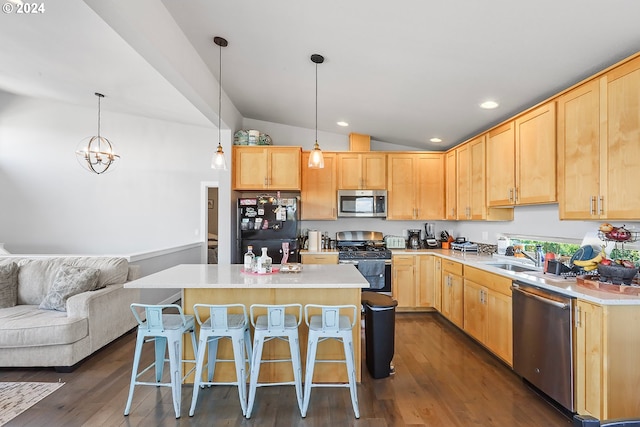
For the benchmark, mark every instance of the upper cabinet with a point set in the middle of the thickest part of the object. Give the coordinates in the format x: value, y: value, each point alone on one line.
x: 266, y: 167
x: 362, y: 171
x: 598, y: 150
x: 415, y: 186
x: 451, y: 184
x: 319, y: 192
x: 521, y: 156
x: 471, y: 184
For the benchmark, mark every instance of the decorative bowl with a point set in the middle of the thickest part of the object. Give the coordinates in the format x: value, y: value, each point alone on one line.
x: 616, y: 274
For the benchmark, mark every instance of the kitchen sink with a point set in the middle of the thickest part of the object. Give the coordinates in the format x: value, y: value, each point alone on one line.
x: 513, y: 267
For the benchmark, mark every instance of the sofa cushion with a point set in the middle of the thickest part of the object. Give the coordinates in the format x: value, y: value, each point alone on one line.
x: 8, y: 285
x: 36, y: 275
x: 27, y: 326
x: 69, y: 281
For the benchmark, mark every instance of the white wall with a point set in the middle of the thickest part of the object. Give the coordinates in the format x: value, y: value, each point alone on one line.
x: 151, y: 201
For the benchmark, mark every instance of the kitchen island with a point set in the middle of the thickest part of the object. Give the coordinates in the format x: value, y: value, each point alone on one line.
x: 228, y: 284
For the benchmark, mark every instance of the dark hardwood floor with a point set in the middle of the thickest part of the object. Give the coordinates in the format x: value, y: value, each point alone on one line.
x: 442, y: 378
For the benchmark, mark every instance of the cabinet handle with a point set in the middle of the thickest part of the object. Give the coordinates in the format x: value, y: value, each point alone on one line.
x: 515, y: 195
x: 511, y: 194
x: 468, y: 212
x: 592, y: 205
x: 601, y: 205
x: 578, y: 323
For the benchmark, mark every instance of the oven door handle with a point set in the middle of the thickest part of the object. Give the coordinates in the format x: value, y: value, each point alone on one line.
x: 542, y: 299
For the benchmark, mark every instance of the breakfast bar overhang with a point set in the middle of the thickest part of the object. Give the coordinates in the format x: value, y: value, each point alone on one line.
x: 325, y: 284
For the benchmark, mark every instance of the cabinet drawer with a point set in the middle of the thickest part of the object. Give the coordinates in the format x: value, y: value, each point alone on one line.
x: 452, y: 267
x: 489, y: 280
x: 402, y: 260
x: 319, y: 259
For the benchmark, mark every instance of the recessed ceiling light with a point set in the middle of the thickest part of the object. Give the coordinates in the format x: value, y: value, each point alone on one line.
x: 435, y: 140
x: 489, y: 105
x: 343, y: 124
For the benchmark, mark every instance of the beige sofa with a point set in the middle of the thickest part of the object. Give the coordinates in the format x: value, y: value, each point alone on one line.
x: 32, y: 336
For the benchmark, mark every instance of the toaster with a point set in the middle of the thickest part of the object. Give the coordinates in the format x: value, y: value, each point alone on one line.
x: 395, y: 242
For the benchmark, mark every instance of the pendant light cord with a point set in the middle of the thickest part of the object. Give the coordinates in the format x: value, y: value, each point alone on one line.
x: 316, y: 102
x: 219, y: 94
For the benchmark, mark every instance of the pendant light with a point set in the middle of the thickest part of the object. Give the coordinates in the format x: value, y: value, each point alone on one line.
x: 316, y: 160
x: 218, y: 161
x: 97, y: 154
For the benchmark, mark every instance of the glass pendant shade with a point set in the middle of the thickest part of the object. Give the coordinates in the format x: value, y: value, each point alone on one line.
x: 218, y: 161
x: 316, y: 159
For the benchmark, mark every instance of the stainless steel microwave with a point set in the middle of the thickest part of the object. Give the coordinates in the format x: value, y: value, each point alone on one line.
x: 362, y: 203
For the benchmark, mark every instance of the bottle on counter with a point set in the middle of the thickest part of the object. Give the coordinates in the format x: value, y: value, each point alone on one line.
x: 249, y: 259
x: 539, y: 256
x: 264, y: 263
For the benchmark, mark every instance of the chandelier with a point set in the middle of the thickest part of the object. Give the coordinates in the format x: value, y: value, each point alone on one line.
x: 96, y: 155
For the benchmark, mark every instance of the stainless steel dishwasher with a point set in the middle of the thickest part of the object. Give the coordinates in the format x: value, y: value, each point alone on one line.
x: 543, y: 341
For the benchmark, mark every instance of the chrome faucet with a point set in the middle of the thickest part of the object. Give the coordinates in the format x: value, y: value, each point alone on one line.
x: 536, y: 262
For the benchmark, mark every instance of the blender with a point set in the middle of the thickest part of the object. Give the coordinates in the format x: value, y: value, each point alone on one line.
x: 430, y: 235
x: 414, y: 239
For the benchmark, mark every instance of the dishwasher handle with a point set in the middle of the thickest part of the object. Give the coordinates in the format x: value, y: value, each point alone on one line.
x: 562, y: 305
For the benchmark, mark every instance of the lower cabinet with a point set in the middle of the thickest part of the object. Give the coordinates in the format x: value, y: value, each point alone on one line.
x: 319, y: 258
x: 414, y: 281
x: 452, y: 292
x: 589, y: 358
x: 487, y: 311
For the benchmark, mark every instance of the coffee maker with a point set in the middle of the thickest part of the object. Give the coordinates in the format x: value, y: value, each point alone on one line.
x: 430, y: 240
x: 414, y: 239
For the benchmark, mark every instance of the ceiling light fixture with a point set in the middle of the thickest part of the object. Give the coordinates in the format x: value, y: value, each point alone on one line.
x: 316, y: 159
x: 435, y: 140
x: 489, y: 105
x: 218, y: 161
x: 97, y: 154
x: 343, y: 124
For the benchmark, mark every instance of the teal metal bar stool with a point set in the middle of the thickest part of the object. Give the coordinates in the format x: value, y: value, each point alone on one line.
x: 276, y: 324
x: 166, y: 331
x: 330, y: 324
x: 222, y: 324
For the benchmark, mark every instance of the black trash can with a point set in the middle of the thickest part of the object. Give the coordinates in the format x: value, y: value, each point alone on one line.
x: 379, y: 331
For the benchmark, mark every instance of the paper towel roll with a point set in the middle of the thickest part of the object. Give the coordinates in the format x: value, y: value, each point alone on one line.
x: 315, y: 240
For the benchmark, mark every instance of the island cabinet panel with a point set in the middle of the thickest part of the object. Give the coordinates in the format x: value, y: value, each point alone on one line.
x: 280, y: 372
x: 319, y: 258
x: 415, y: 186
x: 453, y: 292
x: 362, y: 171
x: 606, y: 370
x: 266, y: 167
x: 598, y: 150
x: 319, y: 198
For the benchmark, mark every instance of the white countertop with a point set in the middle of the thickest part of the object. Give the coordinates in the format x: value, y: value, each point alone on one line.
x: 568, y: 286
x: 203, y: 276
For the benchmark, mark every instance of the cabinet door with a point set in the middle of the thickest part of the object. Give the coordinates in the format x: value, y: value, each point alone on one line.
x: 426, y: 281
x: 284, y: 168
x: 349, y: 171
x: 429, y: 197
x: 319, y: 194
x: 463, y: 174
x: 475, y: 310
x: 374, y: 169
x: 501, y: 164
x: 319, y: 258
x: 536, y: 155
x: 579, y: 151
x: 401, y: 187
x: 452, y: 298
x: 451, y: 185
x: 621, y: 161
x: 437, y: 287
x: 499, y: 338
x: 403, y: 286
x: 477, y: 180
x: 250, y: 168
x: 589, y: 358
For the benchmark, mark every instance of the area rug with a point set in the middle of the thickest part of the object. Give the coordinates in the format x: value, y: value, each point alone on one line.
x: 15, y: 398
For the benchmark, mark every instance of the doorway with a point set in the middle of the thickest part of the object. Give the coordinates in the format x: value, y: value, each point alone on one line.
x: 212, y: 225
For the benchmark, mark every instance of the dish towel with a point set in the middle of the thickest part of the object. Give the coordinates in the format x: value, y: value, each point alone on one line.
x: 373, y: 271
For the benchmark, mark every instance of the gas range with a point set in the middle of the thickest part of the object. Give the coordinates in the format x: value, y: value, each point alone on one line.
x: 361, y: 245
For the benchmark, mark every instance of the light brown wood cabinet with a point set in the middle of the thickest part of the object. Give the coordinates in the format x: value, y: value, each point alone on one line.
x: 362, y: 171
x: 606, y: 370
x: 451, y: 185
x: 426, y: 281
x: 266, y: 168
x: 403, y: 281
x: 414, y: 281
x: 437, y: 285
x: 319, y: 190
x: 487, y: 311
x: 452, y: 292
x: 415, y: 186
x: 471, y: 184
x: 521, y: 156
x: 319, y: 258
x: 598, y: 150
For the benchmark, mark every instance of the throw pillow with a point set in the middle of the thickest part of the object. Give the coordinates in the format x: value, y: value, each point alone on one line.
x: 8, y: 285
x: 69, y: 281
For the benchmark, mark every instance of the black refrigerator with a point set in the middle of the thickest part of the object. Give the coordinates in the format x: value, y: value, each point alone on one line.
x: 269, y: 222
